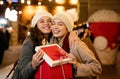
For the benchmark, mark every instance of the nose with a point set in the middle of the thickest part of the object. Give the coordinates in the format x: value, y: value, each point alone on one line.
x: 46, y: 22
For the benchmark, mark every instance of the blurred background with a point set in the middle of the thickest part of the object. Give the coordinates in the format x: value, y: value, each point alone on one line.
x: 97, y: 19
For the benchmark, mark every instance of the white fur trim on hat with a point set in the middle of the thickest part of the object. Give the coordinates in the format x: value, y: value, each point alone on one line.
x: 38, y: 15
x: 66, y: 19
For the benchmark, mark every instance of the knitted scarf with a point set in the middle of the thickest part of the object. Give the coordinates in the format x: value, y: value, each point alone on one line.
x: 63, y: 42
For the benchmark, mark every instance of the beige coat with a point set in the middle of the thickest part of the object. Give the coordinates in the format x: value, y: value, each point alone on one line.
x: 87, y: 64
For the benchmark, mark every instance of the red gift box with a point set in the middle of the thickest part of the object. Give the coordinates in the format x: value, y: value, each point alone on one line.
x: 57, y: 72
x: 54, y: 55
x: 51, y: 67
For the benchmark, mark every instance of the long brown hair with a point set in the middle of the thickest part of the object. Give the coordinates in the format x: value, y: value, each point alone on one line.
x: 36, y: 35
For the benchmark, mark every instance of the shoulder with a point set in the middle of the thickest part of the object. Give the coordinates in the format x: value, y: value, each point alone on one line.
x: 28, y: 46
x: 28, y: 41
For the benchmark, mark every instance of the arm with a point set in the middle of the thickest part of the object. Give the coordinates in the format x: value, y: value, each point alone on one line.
x: 86, y: 64
x: 24, y: 66
x: 28, y: 61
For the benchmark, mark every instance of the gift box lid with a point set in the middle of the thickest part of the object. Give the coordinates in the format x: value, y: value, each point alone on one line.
x: 54, y: 55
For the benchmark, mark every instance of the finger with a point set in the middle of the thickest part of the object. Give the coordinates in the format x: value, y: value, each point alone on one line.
x: 41, y: 61
x: 39, y: 56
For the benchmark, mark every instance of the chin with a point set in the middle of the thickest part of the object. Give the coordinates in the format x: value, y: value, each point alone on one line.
x: 47, y: 31
x: 57, y: 36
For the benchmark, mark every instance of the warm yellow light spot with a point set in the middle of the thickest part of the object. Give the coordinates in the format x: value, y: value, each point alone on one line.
x: 73, y: 2
x: 22, y: 1
x: 50, y: 0
x: 59, y: 9
x: 28, y: 2
x: 10, y: 1
x: 41, y: 8
x: 39, y: 3
x: 28, y: 12
x: 60, y: 1
x: 20, y: 12
x: 1, y: 2
x: 28, y: 9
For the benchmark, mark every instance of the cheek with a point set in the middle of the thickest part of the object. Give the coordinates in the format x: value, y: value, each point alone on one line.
x: 51, y: 27
x: 39, y: 28
x: 64, y: 30
x: 50, y: 24
x: 39, y: 25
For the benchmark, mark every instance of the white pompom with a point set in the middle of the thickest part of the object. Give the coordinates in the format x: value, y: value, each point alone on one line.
x: 73, y: 13
x: 100, y: 43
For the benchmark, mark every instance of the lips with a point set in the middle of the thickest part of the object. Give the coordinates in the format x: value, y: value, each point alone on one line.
x: 56, y: 31
x: 46, y: 27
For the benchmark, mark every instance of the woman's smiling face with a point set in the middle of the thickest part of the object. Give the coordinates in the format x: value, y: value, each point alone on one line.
x: 44, y: 24
x: 58, y: 28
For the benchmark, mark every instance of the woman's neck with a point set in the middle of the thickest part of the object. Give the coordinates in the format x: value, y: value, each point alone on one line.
x: 46, y: 36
